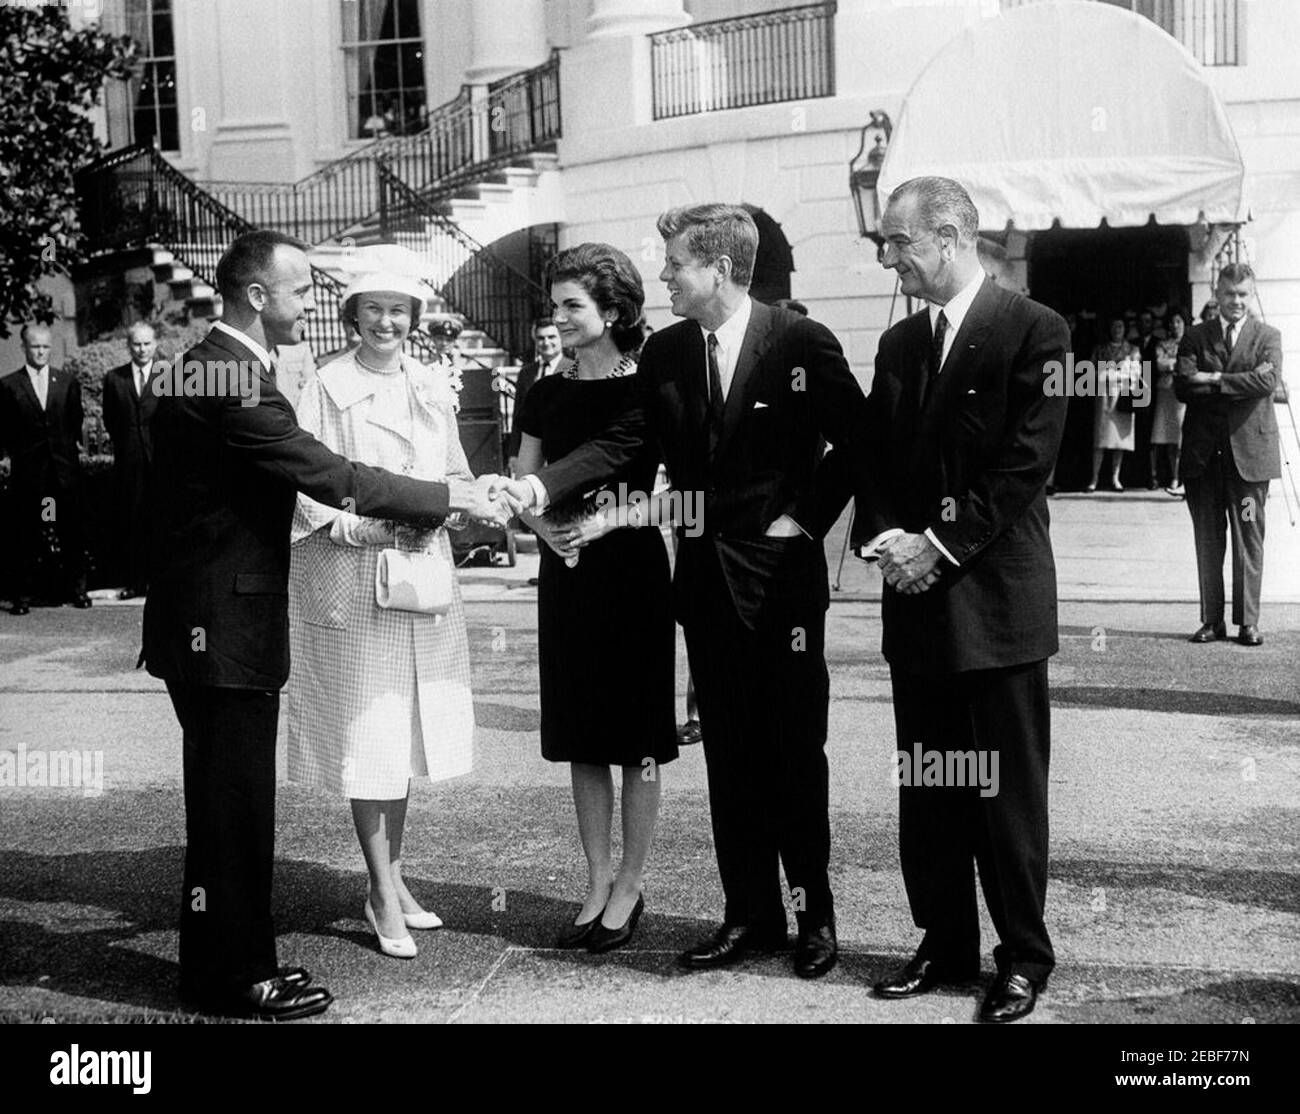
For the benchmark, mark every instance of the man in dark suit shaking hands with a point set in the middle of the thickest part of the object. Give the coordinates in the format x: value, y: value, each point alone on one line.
x: 229, y: 461
x: 1228, y: 369
x: 128, y: 409
x: 962, y: 434
x: 742, y: 398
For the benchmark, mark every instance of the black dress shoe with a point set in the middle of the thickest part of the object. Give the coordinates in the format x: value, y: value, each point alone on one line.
x: 607, y: 939
x: 920, y: 975
x: 577, y: 935
x: 730, y: 943
x: 272, y: 1000
x: 1249, y: 635
x: 1210, y: 632
x: 19, y: 609
x: 689, y: 733
x: 81, y: 601
x: 816, y: 951
x: 1010, y: 998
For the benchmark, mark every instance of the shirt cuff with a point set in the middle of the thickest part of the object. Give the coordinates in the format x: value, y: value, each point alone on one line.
x: 540, y: 499
x: 939, y: 546
x: 868, y: 551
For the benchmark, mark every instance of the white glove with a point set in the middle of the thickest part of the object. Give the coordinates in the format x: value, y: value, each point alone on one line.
x: 353, y: 530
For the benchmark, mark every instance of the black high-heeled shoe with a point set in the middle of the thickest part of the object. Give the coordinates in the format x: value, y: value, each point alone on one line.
x: 607, y: 939
x: 577, y: 935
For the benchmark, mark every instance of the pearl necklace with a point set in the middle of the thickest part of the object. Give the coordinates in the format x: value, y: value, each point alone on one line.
x: 377, y: 370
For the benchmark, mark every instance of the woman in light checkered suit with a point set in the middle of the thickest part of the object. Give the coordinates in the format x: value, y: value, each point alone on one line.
x: 377, y: 696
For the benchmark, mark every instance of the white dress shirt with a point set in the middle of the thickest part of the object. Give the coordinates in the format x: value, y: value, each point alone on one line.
x: 248, y: 342
x: 40, y: 383
x: 955, y: 310
x: 140, y: 375
x: 731, y: 335
x: 1225, y: 325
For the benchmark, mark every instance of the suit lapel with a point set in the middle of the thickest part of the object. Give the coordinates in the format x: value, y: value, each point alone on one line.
x: 1237, y: 359
x: 27, y: 391
x: 966, y: 344
x: 752, y: 349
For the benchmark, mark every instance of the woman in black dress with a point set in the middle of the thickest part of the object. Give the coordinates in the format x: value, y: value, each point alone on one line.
x: 606, y: 639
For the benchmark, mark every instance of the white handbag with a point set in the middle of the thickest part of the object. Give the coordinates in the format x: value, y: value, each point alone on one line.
x: 413, y: 581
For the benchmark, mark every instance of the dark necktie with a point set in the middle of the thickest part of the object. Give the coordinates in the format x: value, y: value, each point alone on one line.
x: 936, y: 357
x: 1232, y: 335
x: 716, y: 401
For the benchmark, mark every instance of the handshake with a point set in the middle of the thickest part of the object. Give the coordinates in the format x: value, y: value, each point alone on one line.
x: 489, y: 500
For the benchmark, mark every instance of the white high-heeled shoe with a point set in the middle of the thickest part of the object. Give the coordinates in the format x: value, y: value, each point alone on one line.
x: 422, y: 919
x: 403, y: 948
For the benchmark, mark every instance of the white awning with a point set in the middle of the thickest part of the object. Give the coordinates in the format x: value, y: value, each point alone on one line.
x: 1072, y: 111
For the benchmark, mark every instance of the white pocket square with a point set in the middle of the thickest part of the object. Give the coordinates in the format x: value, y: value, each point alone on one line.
x: 760, y: 406
x: 971, y: 391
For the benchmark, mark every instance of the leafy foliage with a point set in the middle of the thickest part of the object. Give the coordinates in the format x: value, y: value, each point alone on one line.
x: 50, y: 78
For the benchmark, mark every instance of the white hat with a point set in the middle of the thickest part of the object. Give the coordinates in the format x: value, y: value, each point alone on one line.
x: 388, y: 282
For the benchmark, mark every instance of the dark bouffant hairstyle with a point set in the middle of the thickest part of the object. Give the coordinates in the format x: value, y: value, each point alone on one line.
x: 613, y: 283
x: 248, y: 259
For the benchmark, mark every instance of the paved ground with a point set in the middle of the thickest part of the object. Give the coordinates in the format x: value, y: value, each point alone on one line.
x: 1175, y: 785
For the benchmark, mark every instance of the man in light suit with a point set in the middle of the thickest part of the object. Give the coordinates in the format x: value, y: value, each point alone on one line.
x: 229, y: 462
x: 1228, y: 369
x: 129, y: 406
x: 962, y: 433
x: 40, y: 428
x: 741, y: 399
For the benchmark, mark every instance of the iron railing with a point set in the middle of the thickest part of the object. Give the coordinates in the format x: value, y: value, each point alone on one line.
x: 462, y: 140
x: 1213, y: 31
x: 768, y: 58
x: 135, y: 198
x: 490, y: 294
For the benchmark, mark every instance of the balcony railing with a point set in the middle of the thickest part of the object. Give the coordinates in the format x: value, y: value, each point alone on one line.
x: 463, y: 139
x: 136, y: 198
x: 1213, y: 31
x: 490, y: 294
x: 785, y: 55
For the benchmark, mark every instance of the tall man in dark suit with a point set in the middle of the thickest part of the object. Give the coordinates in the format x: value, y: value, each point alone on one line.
x: 962, y: 433
x: 742, y: 399
x: 129, y: 406
x: 40, y: 429
x: 1228, y: 369
x: 229, y: 461
x: 546, y: 358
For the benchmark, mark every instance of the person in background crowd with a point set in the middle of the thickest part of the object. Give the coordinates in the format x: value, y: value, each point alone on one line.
x: 129, y: 405
x: 547, y: 355
x: 1145, y: 342
x: 40, y: 428
x: 1228, y: 369
x: 377, y: 696
x: 445, y: 332
x: 1167, y: 419
x: 1209, y: 311
x: 604, y: 615
x: 1112, y: 432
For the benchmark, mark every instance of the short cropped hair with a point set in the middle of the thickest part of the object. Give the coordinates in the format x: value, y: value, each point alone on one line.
x: 714, y: 230
x: 1234, y: 273
x: 136, y: 326
x: 248, y: 260
x: 27, y: 328
x: 540, y: 323
x: 612, y: 282
x: 941, y: 201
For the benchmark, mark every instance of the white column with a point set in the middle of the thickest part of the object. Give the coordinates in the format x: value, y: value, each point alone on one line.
x: 612, y: 18
x: 508, y: 36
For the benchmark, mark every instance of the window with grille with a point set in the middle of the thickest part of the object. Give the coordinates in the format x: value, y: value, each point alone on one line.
x: 384, y: 57
x: 154, y: 115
